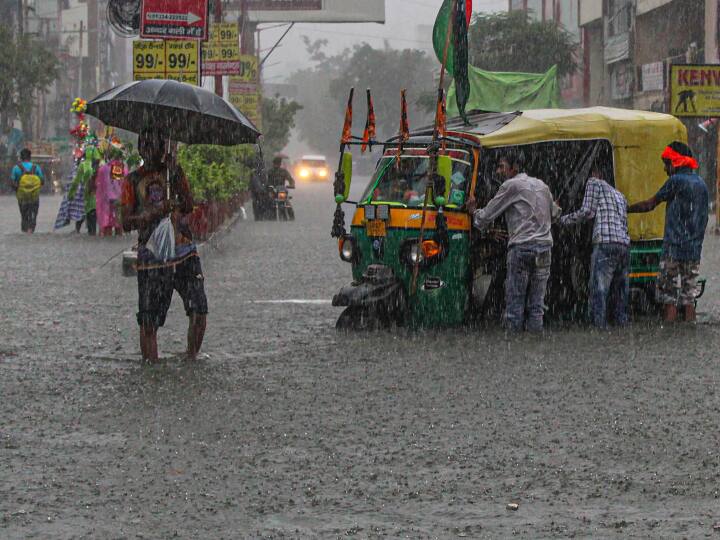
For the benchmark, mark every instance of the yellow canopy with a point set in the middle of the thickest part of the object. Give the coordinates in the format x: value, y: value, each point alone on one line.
x: 638, y: 138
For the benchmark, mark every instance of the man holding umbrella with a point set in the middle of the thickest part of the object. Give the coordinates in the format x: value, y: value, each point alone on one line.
x: 156, y: 202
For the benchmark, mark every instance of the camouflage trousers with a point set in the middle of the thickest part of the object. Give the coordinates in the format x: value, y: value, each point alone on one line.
x: 678, y: 282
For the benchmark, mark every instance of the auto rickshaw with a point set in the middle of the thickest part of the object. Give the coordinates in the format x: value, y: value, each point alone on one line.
x: 422, y: 265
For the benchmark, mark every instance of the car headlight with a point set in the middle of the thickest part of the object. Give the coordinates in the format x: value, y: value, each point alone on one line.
x: 322, y: 173
x: 304, y: 173
x: 346, y: 247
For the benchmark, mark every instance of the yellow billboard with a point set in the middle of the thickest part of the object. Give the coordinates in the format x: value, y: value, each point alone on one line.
x: 169, y: 59
x: 695, y: 90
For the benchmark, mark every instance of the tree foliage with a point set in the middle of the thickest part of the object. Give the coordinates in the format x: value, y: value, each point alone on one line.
x: 516, y: 42
x: 26, y: 68
x: 323, y: 90
x: 216, y: 172
x: 278, y: 116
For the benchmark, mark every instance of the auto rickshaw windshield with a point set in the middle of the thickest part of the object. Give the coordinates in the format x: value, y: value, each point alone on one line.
x: 405, y: 184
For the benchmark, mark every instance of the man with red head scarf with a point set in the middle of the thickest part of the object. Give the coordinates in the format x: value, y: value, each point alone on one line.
x: 686, y: 218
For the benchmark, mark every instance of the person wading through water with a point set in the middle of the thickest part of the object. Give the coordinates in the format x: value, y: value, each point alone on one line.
x: 686, y: 217
x: 167, y: 257
x: 27, y: 180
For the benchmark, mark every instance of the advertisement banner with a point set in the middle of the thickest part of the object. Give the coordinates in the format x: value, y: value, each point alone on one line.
x: 175, y: 60
x: 246, y: 97
x: 174, y: 19
x: 653, y: 77
x: 695, y: 90
x: 221, y: 54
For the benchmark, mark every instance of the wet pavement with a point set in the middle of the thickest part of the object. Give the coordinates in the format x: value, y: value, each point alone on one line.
x: 287, y: 429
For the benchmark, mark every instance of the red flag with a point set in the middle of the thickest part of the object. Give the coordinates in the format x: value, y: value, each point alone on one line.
x: 404, y: 126
x: 370, y: 130
x: 347, y: 127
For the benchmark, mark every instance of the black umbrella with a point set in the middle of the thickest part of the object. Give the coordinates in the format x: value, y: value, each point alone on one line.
x: 181, y: 112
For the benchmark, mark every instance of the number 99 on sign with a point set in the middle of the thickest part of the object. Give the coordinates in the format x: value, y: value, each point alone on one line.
x: 178, y: 61
x: 147, y: 62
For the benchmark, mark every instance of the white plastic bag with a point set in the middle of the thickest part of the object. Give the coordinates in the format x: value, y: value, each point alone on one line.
x: 162, y: 241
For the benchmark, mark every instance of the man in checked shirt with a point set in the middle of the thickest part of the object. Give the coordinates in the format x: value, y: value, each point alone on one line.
x: 610, y: 262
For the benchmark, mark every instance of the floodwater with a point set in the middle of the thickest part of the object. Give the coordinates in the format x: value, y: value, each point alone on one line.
x: 287, y: 429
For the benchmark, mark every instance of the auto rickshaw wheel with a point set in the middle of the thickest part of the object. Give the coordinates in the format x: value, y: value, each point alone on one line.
x: 353, y: 318
x: 365, y: 318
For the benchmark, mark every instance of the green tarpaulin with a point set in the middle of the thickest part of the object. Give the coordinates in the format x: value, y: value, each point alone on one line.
x: 505, y: 92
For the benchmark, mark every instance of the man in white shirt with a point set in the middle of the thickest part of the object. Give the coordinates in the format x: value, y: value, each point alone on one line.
x: 529, y: 211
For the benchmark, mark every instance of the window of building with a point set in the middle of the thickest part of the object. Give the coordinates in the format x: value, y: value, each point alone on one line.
x: 619, y: 12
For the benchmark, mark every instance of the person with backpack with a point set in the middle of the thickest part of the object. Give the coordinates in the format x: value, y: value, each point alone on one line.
x: 27, y: 180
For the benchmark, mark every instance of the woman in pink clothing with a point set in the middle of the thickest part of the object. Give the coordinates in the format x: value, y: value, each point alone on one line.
x: 110, y: 179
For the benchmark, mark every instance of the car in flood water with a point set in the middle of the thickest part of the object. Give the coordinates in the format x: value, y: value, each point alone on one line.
x: 424, y: 266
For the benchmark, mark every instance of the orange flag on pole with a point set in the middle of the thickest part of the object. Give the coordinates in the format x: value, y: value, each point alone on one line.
x: 370, y: 129
x: 347, y: 127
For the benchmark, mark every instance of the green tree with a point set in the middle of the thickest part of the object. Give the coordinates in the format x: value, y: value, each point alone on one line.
x: 278, y: 117
x: 26, y: 68
x: 515, y: 42
x: 323, y: 90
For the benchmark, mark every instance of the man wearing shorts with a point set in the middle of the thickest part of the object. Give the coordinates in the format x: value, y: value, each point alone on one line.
x: 686, y: 218
x: 146, y: 201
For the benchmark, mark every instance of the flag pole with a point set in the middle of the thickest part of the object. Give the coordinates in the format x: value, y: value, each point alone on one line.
x: 433, y: 156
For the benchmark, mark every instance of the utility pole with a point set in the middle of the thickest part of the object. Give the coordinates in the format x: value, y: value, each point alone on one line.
x: 218, y: 19
x: 21, y: 17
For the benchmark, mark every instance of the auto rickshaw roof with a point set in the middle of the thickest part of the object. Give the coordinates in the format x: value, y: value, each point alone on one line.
x: 622, y: 127
x: 638, y: 139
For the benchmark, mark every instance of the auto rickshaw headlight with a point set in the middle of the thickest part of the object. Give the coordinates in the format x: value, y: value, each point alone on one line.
x: 415, y: 254
x: 346, y: 246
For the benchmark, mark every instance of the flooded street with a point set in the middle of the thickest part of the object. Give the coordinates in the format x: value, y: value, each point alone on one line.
x: 288, y: 429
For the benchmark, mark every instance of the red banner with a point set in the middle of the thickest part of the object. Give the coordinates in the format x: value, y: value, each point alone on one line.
x: 174, y: 19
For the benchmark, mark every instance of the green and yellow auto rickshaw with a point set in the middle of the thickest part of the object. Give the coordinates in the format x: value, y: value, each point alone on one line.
x: 423, y: 265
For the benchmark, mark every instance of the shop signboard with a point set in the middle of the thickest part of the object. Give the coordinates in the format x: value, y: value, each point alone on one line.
x: 174, y: 19
x: 695, y: 90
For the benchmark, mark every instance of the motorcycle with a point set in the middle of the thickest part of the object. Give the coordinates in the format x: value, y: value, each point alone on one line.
x: 280, y: 208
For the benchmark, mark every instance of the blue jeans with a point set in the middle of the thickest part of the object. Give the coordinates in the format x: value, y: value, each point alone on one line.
x: 528, y: 271
x: 609, y: 283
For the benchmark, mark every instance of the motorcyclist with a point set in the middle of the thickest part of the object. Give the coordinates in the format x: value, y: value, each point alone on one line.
x: 278, y: 176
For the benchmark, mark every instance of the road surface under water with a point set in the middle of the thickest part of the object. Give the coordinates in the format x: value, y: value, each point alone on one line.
x: 288, y: 429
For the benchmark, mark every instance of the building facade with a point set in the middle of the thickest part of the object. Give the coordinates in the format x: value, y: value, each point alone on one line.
x: 564, y: 13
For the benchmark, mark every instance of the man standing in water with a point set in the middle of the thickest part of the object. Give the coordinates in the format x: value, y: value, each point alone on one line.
x: 529, y: 212
x: 147, y: 200
x: 686, y: 217
x: 610, y: 262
